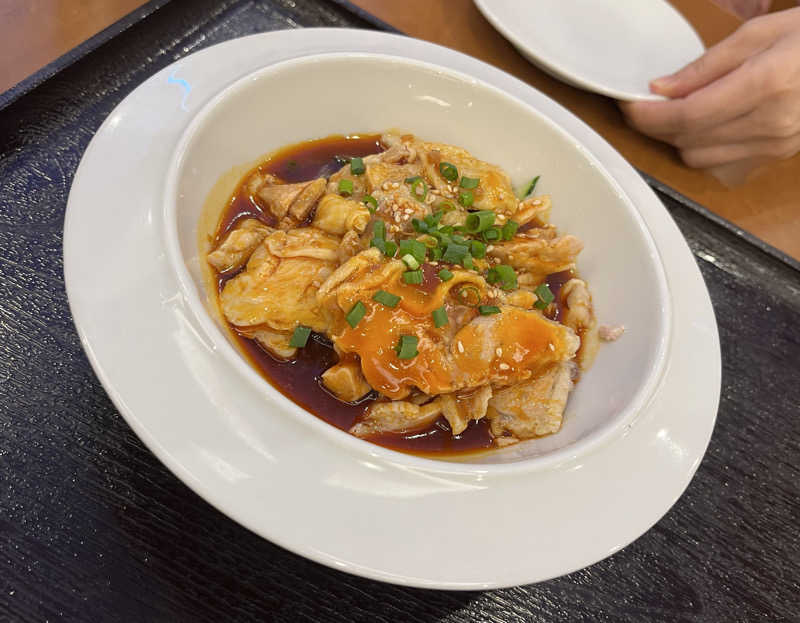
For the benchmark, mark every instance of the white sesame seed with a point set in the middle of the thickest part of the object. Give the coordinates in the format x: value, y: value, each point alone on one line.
x: 396, y: 185
x: 385, y: 186
x: 536, y: 202
x: 408, y: 211
x: 520, y: 205
x: 490, y: 248
x: 460, y: 347
x: 498, y: 351
x: 430, y: 199
x: 550, y: 346
x: 504, y: 366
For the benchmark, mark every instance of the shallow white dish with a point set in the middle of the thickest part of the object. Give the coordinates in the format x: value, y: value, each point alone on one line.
x: 441, y: 105
x: 359, y: 511
x: 611, y: 47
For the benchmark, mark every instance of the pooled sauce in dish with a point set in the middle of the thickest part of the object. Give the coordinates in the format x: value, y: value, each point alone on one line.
x: 299, y: 379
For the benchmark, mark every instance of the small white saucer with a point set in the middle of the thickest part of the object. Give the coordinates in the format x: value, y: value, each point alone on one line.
x: 611, y: 47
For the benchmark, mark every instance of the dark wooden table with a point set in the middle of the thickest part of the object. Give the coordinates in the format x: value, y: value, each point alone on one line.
x: 94, y: 528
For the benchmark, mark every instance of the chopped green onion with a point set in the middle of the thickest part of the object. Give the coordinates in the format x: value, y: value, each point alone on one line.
x: 414, y: 248
x: 445, y: 275
x: 529, y: 188
x: 407, y: 347
x: 446, y: 229
x: 436, y: 253
x: 411, y: 180
x: 470, y: 295
x: 357, y: 166
x: 439, y: 317
x: 379, y: 229
x: 420, y: 226
x: 454, y: 253
x: 446, y: 205
x: 545, y: 295
x: 504, y: 274
x: 466, y: 262
x: 346, y: 187
x: 479, y: 221
x: 410, y: 261
x: 509, y: 229
x: 413, y: 277
x: 491, y: 234
x: 419, y: 196
x: 459, y: 239
x: 386, y: 298
x: 355, y: 314
x: 387, y: 247
x: 448, y: 171
x: 300, y: 336
x: 488, y: 310
x: 370, y: 202
x: 477, y: 249
x: 465, y: 198
x: 432, y: 220
x: 469, y: 182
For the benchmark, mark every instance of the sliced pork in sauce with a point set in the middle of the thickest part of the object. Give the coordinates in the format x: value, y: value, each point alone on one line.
x: 443, y: 302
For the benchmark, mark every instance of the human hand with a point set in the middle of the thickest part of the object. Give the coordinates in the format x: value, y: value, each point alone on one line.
x: 746, y: 9
x: 738, y: 104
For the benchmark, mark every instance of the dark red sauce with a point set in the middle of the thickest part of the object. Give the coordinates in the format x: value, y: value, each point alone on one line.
x: 299, y: 379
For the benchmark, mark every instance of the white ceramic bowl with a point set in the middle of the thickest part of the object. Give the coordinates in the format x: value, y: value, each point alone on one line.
x: 316, y: 96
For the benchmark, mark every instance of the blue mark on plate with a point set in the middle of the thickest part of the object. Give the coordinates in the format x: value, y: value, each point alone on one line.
x: 183, y: 84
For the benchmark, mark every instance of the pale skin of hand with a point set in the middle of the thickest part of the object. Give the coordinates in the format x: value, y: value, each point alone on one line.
x: 736, y: 106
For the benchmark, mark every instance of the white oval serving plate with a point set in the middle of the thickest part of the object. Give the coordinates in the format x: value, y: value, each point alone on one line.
x: 357, y: 510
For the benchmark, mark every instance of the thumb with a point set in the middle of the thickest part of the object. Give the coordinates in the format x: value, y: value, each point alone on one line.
x: 727, y: 55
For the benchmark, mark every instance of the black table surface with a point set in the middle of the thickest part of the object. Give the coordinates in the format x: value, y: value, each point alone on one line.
x: 94, y: 528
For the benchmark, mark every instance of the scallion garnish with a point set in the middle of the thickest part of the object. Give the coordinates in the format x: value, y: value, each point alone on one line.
x: 492, y: 234
x: 527, y: 190
x: 448, y: 171
x: 410, y: 261
x: 454, y: 253
x: 419, y: 190
x: 370, y: 202
x: 355, y: 314
x: 386, y: 298
x: 488, y: 310
x: 379, y: 229
x: 419, y: 225
x: 465, y: 198
x: 469, y: 182
x: 436, y: 253
x: 477, y: 249
x: 413, y: 277
x: 503, y: 274
x: 387, y: 247
x: 300, y: 336
x: 466, y: 262
x: 545, y: 295
x: 407, y: 347
x: 446, y: 205
x: 414, y: 248
x: 439, y: 317
x: 411, y: 180
x: 345, y: 187
x: 479, y: 221
x: 509, y: 229
x: 357, y: 166
x: 432, y: 220
x: 445, y: 275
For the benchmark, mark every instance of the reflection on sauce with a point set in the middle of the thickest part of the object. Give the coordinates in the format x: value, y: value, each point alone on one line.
x: 299, y: 379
